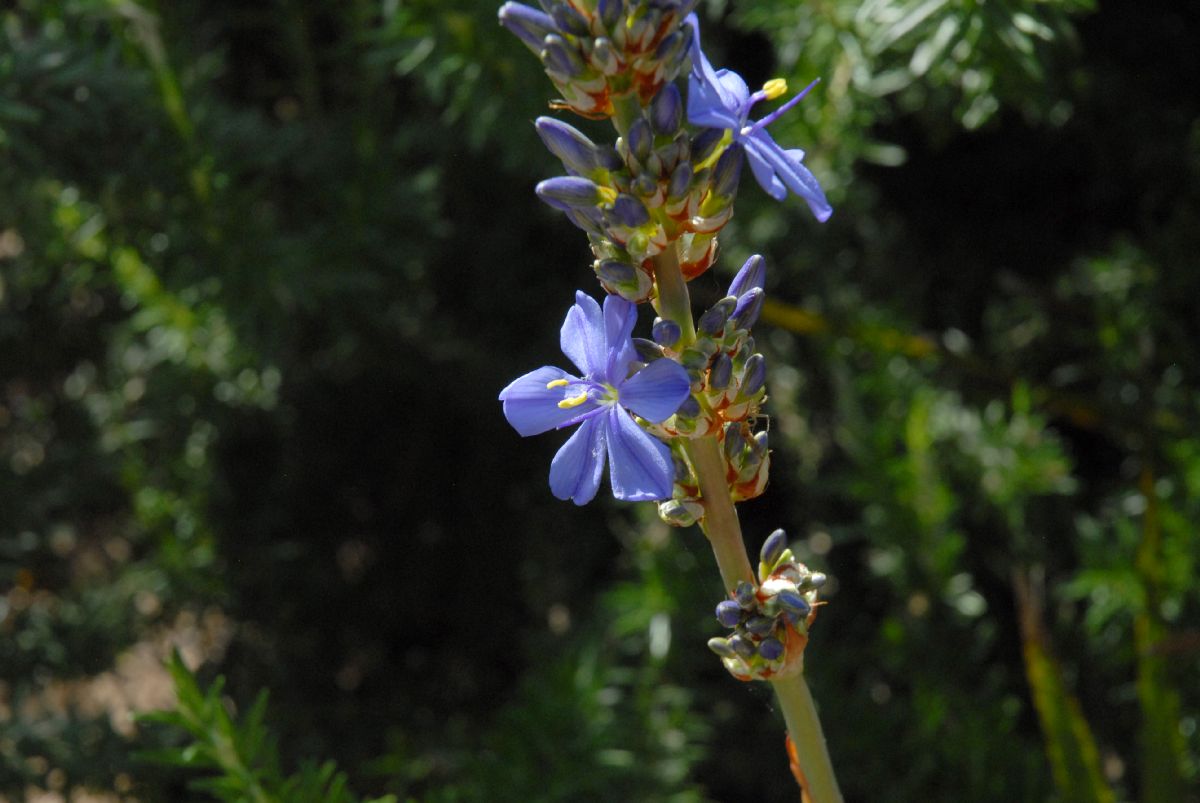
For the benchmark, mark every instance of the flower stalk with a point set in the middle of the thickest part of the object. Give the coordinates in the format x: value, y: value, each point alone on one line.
x: 673, y: 416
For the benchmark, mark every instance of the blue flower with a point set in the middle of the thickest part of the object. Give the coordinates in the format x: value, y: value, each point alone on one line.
x: 721, y: 99
x: 599, y: 344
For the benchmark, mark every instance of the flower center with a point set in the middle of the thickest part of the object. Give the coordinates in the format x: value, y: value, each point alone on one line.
x: 584, y: 390
x: 772, y: 89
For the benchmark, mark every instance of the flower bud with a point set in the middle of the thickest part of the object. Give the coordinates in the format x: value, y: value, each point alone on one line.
x: 771, y: 649
x: 721, y: 372
x: 569, y: 20
x: 680, y: 513
x: 666, y: 111
x: 754, y: 375
x: 727, y: 172
x: 671, y: 47
x: 742, y: 645
x: 609, y: 12
x: 629, y: 212
x: 530, y: 25
x: 604, y: 57
x: 647, y: 350
x: 681, y: 180
x: 613, y: 272
x: 569, y: 192
x: 665, y: 332
x: 690, y: 408
x: 772, y: 549
x: 712, y: 322
x: 744, y: 595
x: 640, y: 139
x: 793, y: 602
x: 560, y: 58
x: 729, y: 613
x: 760, y: 626
x: 749, y: 307
x: 752, y: 274
x: 722, y: 647
x: 572, y: 146
x: 705, y: 144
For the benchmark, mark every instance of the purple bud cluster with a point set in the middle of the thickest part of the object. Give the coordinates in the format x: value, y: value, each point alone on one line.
x: 769, y: 622
x: 600, y: 54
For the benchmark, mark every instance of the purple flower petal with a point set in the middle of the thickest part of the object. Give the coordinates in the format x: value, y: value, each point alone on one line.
x: 582, y: 336
x: 656, y: 391
x: 640, y: 467
x: 619, y: 317
x: 763, y: 168
x: 576, y: 469
x: 794, y: 175
x: 532, y: 408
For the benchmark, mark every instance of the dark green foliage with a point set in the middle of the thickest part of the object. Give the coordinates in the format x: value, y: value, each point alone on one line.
x: 240, y: 750
x: 264, y: 268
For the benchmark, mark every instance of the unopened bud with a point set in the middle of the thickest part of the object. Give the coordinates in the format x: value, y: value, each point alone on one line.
x: 754, y: 375
x: 744, y: 595
x: 727, y: 172
x: 665, y: 332
x: 647, y: 350
x: 568, y: 192
x: 749, y: 307
x: 771, y: 649
x: 729, y: 613
x: 753, y: 274
x: 742, y: 646
x: 666, y: 111
x: 681, y: 180
x: 612, y: 272
x: 572, y: 146
x: 530, y: 25
x: 640, y: 139
x: 772, y: 548
x: 721, y: 372
x: 722, y: 647
x: 712, y: 322
x: 561, y: 58
x: 570, y: 20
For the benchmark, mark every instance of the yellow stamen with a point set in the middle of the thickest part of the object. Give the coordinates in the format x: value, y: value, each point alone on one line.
x: 557, y: 383
x: 574, y: 401
x: 607, y: 194
x: 774, y: 88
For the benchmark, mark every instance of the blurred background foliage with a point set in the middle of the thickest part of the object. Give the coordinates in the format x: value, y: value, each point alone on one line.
x: 264, y: 268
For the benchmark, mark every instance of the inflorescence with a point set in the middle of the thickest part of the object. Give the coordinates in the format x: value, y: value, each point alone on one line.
x: 659, y: 195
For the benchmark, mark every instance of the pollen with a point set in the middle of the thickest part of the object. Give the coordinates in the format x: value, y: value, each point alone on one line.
x: 607, y: 194
x: 775, y: 88
x: 574, y: 401
x: 557, y: 383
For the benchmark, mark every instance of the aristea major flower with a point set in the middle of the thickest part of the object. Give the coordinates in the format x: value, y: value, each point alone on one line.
x: 720, y: 99
x: 599, y: 344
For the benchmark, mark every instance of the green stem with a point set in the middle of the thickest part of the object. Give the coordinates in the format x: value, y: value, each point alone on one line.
x: 800, y: 714
x: 673, y: 301
x: 720, y: 524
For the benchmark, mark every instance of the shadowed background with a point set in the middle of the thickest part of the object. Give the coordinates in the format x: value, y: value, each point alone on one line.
x: 265, y: 267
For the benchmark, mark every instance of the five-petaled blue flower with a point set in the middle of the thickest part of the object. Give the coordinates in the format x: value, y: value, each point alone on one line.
x: 721, y: 99
x: 599, y: 344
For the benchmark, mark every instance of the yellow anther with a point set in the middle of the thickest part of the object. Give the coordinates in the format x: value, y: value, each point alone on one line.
x: 557, y: 383
x: 607, y: 194
x: 774, y: 88
x: 574, y: 401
